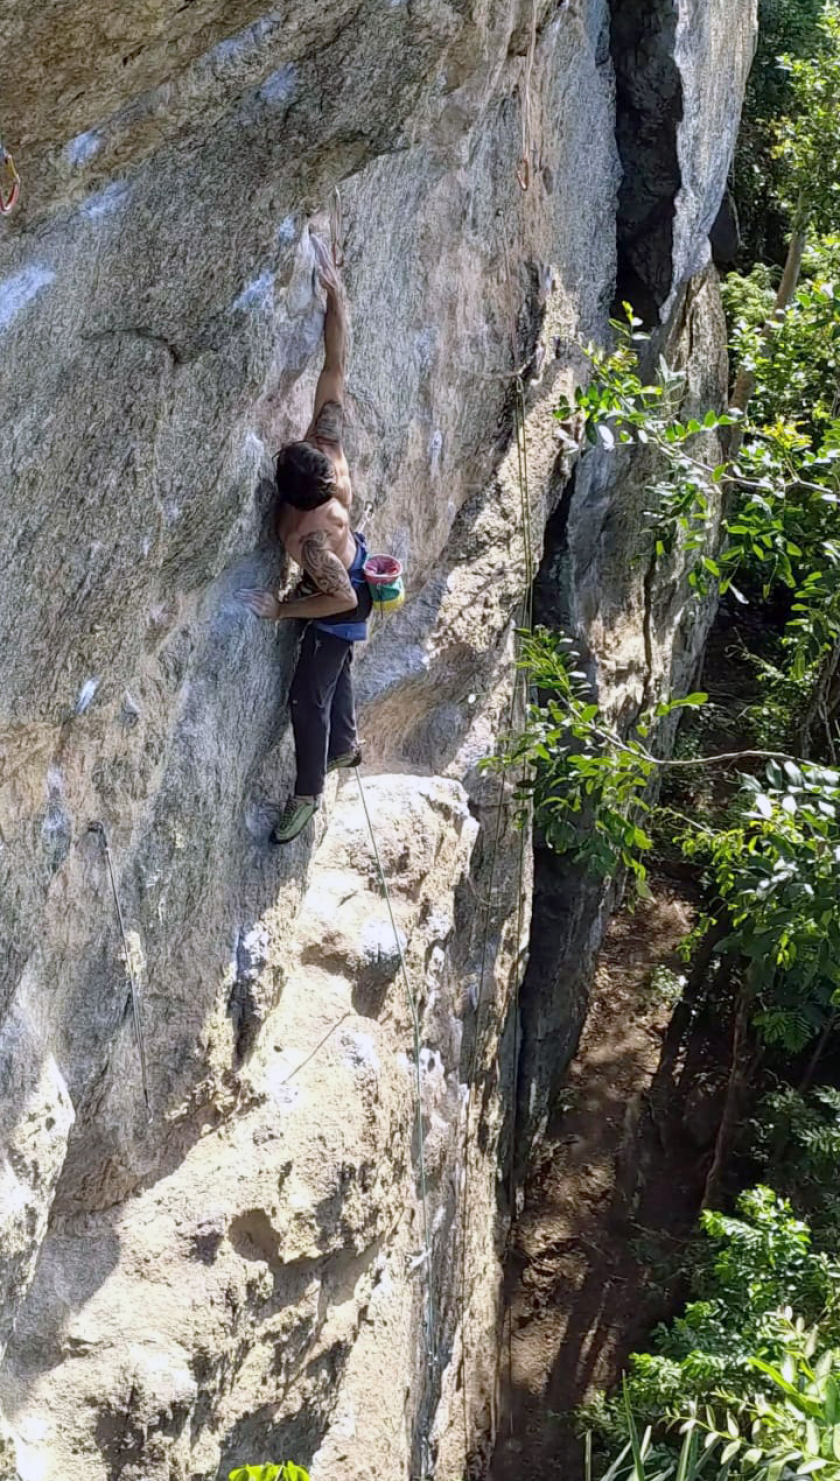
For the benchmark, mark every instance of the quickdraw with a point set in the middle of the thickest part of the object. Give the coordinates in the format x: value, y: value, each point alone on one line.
x: 337, y: 228
x: 523, y: 169
x: 9, y: 183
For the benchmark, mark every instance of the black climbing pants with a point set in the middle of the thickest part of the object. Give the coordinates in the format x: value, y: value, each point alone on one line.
x: 323, y: 711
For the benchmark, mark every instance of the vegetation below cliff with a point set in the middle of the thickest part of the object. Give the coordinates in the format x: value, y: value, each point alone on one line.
x: 743, y: 827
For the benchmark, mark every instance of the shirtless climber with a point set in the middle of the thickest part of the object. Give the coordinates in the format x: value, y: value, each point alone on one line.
x: 313, y: 521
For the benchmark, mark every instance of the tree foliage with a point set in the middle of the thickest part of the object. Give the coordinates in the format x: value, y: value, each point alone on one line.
x: 798, y: 370
x: 796, y: 1136
x: 286, y: 1472
x: 750, y: 1272
x: 807, y: 139
x: 787, y: 1430
x: 786, y: 27
x: 773, y: 876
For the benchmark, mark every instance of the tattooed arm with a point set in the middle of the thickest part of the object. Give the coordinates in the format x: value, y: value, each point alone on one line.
x: 335, y: 592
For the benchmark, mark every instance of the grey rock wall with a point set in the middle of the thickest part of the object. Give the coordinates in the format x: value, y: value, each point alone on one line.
x: 251, y: 1273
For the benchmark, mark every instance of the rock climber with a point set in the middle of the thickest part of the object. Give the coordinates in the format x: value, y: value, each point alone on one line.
x: 313, y: 521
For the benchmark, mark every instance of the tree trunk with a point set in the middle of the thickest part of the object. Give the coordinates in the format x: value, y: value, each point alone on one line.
x: 738, y: 1076
x: 821, y: 706
x: 809, y: 1076
x: 684, y: 1012
x: 745, y: 384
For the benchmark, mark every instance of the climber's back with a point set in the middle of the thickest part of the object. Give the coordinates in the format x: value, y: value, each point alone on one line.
x: 295, y: 526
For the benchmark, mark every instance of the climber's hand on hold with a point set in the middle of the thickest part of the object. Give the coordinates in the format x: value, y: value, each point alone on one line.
x: 327, y: 271
x: 331, y: 281
x: 261, y: 603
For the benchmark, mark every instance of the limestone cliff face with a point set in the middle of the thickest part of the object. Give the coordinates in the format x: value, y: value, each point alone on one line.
x: 251, y: 1272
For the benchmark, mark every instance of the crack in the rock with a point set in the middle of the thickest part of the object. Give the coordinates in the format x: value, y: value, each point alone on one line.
x: 138, y: 331
x: 649, y: 110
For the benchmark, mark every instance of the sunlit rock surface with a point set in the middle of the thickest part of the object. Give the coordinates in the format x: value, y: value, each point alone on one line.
x: 251, y: 1273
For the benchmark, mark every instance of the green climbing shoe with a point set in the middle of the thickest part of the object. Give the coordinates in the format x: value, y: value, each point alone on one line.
x: 350, y: 758
x: 294, y: 818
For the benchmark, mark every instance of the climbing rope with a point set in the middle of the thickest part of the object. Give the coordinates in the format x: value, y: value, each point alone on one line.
x: 9, y: 182
x: 426, y: 1257
x: 318, y: 1047
x: 99, y: 829
x: 523, y: 170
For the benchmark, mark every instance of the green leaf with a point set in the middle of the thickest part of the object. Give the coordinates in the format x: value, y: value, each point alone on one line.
x: 261, y: 1473
x: 812, y: 1438
x: 635, y: 1446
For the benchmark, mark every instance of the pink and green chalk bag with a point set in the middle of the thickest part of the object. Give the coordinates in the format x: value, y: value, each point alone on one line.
x: 384, y: 576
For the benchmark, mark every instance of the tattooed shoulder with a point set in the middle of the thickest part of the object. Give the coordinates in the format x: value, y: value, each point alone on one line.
x: 329, y: 423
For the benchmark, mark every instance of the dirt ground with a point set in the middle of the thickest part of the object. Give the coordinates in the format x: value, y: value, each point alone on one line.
x: 616, y: 1191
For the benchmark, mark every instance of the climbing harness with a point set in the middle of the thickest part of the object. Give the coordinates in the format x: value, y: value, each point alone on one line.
x: 9, y: 182
x: 99, y: 830
x: 425, y: 1258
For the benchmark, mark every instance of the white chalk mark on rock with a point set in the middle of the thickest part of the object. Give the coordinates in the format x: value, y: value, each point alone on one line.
x: 106, y: 201
x: 16, y: 292
x: 279, y: 87
x: 255, y: 293
x: 83, y: 148
x: 86, y: 694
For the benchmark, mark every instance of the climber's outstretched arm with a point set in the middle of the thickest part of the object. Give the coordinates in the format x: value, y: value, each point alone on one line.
x: 327, y: 425
x: 330, y: 385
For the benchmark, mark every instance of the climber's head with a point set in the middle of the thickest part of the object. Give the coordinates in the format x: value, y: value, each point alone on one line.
x: 305, y: 476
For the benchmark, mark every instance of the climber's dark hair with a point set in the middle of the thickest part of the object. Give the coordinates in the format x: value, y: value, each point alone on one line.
x: 304, y: 475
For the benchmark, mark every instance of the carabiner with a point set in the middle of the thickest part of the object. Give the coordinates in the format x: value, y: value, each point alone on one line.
x: 9, y: 183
